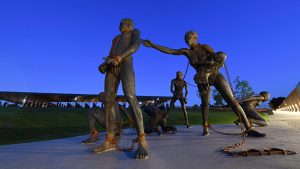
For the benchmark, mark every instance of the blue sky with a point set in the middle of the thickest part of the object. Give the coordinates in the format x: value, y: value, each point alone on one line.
x: 56, y: 46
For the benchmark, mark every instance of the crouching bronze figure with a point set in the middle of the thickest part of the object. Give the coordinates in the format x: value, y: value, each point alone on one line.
x: 249, y: 105
x: 158, y: 118
x: 97, y: 116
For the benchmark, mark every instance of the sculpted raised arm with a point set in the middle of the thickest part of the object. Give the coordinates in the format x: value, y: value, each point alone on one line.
x: 182, y: 51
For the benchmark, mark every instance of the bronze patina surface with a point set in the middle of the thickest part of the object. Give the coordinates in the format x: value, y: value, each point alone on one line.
x: 249, y: 105
x: 207, y: 63
x: 119, y: 68
x: 97, y: 116
x: 177, y: 86
x: 158, y: 118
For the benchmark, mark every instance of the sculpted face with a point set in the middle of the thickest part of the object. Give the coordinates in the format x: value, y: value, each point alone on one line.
x: 126, y: 25
x: 179, y: 75
x: 266, y: 95
x: 191, y: 38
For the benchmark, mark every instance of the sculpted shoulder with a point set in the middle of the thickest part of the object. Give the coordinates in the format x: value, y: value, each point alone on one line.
x: 207, y: 48
x: 136, y: 31
x: 116, y: 37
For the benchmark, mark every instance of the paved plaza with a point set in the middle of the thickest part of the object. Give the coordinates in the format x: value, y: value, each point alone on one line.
x: 186, y: 149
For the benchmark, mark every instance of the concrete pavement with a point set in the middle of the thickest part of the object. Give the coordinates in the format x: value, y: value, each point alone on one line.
x: 186, y: 149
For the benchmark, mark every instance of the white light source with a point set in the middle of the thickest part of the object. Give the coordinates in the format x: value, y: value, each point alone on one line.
x: 24, y: 100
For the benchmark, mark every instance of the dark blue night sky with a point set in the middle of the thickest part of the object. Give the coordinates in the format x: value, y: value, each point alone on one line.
x: 56, y: 46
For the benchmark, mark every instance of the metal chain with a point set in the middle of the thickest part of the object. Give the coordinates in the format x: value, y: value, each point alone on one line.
x: 243, y: 131
x: 186, y: 71
x: 133, y: 142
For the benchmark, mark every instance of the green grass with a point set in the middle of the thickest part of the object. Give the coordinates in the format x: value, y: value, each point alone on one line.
x: 34, y: 124
x: 195, y: 118
x: 19, y: 125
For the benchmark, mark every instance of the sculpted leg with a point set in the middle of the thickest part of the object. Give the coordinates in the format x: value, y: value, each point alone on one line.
x: 184, y: 113
x: 172, y: 102
x: 205, y: 95
x: 92, y: 124
x: 110, y: 91
x: 255, y: 117
x: 224, y: 89
x: 128, y: 84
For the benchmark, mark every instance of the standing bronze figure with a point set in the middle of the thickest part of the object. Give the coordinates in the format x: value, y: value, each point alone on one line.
x: 248, y: 106
x: 207, y: 63
x: 119, y: 67
x: 177, y: 86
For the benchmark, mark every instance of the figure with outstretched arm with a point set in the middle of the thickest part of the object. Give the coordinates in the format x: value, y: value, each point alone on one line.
x: 207, y: 63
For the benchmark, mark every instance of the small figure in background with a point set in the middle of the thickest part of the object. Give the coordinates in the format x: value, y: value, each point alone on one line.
x: 177, y: 86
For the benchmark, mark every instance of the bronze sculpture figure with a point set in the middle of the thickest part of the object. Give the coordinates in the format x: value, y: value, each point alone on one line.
x: 207, y: 63
x: 158, y: 118
x: 119, y: 67
x: 248, y: 106
x: 96, y: 115
x: 177, y: 86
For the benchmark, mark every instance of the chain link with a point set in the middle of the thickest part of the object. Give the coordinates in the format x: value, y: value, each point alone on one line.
x: 243, y: 131
x: 186, y: 71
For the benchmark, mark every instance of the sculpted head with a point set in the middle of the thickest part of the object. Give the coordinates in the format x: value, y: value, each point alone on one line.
x: 126, y: 25
x: 191, y: 38
x: 265, y: 95
x: 179, y: 75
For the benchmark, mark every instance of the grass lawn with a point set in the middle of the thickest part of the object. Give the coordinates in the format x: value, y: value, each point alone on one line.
x: 19, y: 125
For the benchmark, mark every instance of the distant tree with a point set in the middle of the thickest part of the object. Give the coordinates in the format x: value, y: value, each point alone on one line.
x: 242, y: 89
x: 217, y: 98
x: 275, y: 102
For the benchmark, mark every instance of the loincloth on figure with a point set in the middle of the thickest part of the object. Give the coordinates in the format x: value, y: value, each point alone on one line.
x: 204, y: 77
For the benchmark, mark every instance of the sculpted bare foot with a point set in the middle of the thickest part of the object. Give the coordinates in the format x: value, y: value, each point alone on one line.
x: 92, y: 139
x: 254, y: 133
x: 205, y: 133
x: 108, y: 145
x: 143, y: 151
x: 89, y: 140
x: 205, y: 130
